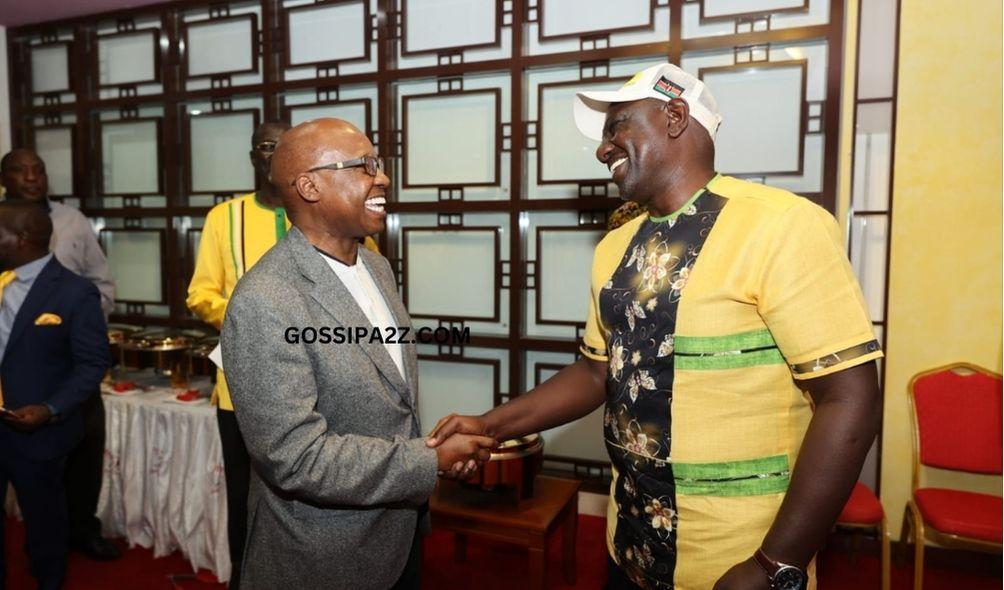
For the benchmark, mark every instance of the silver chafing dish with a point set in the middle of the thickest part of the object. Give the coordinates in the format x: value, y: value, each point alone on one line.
x: 117, y: 333
x: 157, y: 340
x: 163, y: 349
x: 198, y: 357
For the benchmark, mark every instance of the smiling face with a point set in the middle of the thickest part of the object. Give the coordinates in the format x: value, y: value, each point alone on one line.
x: 636, y: 147
x: 345, y: 203
x: 351, y: 199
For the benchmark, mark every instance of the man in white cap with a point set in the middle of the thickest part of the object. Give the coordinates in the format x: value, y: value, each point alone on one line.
x: 709, y: 317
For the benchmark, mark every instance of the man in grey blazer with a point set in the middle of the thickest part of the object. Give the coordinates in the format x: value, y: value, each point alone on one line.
x: 341, y: 473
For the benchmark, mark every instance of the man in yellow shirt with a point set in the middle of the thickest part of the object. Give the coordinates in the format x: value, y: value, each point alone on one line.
x: 711, y: 316
x: 236, y: 234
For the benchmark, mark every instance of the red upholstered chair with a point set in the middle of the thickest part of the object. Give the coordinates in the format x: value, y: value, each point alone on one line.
x: 957, y: 423
x: 864, y: 511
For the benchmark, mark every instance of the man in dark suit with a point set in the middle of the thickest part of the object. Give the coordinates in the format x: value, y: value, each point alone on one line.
x: 73, y: 242
x: 53, y: 354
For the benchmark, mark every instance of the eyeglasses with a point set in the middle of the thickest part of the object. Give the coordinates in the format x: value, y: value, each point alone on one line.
x: 266, y: 147
x: 372, y: 164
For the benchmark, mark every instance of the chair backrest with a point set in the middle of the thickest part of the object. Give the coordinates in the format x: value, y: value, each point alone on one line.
x: 957, y: 419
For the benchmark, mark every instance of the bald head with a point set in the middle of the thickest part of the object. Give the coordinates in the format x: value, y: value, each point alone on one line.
x: 315, y: 143
x: 308, y: 145
x: 25, y: 231
x: 321, y: 199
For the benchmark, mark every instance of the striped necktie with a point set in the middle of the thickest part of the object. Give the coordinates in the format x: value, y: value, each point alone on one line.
x: 6, y: 278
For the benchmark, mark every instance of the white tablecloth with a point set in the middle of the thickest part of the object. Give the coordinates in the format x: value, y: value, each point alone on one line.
x: 163, y: 485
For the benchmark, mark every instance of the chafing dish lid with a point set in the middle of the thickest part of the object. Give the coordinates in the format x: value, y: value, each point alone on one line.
x: 517, y: 448
x: 157, y: 339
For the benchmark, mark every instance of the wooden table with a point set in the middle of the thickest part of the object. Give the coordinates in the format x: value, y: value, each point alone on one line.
x: 528, y: 523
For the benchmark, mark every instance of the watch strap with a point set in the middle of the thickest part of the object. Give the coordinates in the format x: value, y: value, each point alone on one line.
x: 771, y: 567
x: 768, y: 565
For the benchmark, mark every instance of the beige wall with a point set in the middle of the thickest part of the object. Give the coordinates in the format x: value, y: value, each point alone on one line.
x: 945, y: 275
x: 847, y: 102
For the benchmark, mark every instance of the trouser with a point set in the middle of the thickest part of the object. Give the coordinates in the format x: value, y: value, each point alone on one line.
x: 84, y: 469
x: 411, y: 577
x: 42, y: 498
x: 617, y: 579
x: 237, y: 470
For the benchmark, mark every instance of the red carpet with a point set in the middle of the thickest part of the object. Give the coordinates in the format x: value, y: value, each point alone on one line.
x: 489, y: 566
x: 137, y: 570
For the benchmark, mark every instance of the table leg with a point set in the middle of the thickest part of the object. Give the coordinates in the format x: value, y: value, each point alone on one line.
x: 569, y: 528
x: 538, y: 562
x: 459, y: 547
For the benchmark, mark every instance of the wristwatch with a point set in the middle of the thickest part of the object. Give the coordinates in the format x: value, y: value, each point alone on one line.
x: 781, y: 575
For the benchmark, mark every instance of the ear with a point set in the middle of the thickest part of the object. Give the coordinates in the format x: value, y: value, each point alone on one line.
x: 677, y: 117
x: 306, y: 188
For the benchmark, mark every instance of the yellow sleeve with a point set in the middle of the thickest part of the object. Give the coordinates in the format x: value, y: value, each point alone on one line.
x: 207, y: 296
x: 594, y: 342
x: 810, y: 299
x: 370, y: 244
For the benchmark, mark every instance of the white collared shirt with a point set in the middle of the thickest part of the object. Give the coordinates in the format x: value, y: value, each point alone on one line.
x: 364, y: 290
x: 75, y: 246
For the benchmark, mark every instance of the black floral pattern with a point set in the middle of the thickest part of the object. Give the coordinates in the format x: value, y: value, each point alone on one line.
x: 639, y: 305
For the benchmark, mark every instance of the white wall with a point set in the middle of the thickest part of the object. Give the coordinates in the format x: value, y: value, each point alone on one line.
x: 4, y: 95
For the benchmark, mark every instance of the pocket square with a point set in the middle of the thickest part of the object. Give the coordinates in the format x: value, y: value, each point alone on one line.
x: 48, y: 319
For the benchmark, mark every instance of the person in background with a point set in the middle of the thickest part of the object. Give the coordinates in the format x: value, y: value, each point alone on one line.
x: 53, y: 355
x: 235, y: 235
x: 74, y: 244
x: 23, y: 176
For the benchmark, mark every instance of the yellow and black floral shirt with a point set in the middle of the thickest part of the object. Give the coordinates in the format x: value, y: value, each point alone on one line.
x: 708, y: 318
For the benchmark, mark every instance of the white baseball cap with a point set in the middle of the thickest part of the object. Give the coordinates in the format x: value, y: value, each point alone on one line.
x: 662, y: 81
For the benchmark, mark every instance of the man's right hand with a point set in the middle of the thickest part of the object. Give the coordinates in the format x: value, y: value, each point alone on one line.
x: 466, y: 450
x: 454, y: 424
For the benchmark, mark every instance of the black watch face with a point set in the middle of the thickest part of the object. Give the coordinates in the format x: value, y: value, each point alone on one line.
x: 789, y: 578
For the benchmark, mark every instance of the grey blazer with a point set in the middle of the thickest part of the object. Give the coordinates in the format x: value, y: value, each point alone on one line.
x: 340, y: 470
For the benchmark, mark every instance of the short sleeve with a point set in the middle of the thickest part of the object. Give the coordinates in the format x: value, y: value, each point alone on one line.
x: 810, y: 299
x: 594, y: 342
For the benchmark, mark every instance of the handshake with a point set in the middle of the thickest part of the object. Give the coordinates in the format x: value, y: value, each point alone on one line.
x: 462, y: 443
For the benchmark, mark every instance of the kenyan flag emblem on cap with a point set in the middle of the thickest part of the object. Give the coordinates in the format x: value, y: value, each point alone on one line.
x: 667, y: 87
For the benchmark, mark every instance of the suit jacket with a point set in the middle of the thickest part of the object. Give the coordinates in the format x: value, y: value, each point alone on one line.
x: 57, y: 363
x: 340, y: 470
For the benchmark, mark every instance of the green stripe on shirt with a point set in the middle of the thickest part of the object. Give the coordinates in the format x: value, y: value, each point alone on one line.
x: 752, y: 477
x: 280, y: 223
x: 733, y: 351
x: 722, y: 361
x: 729, y: 343
x: 233, y: 238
